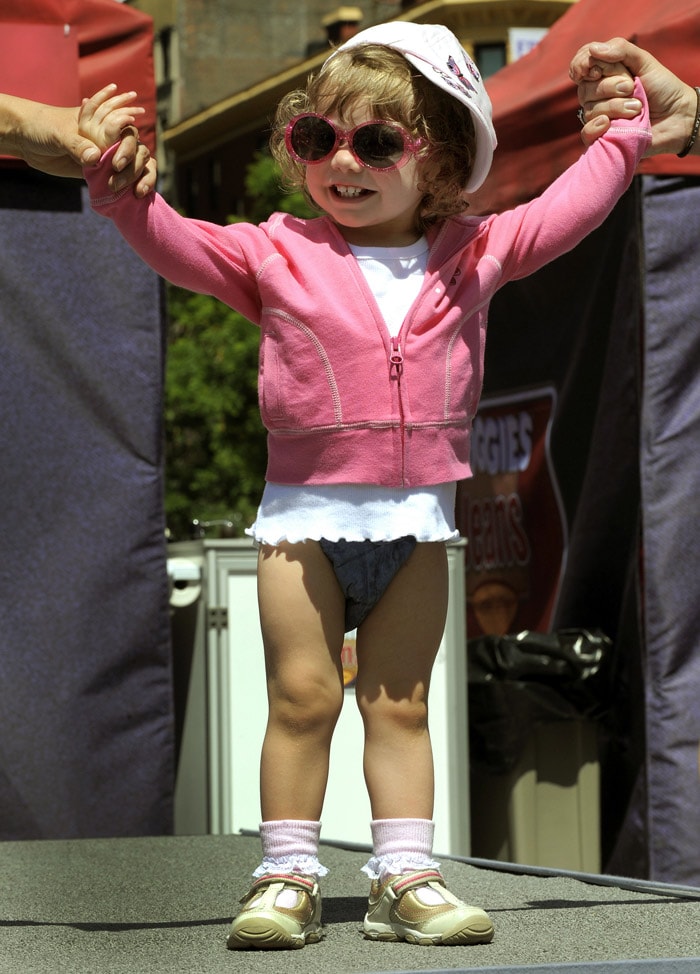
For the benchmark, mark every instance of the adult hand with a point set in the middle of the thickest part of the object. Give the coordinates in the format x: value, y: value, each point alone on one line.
x: 47, y: 138
x: 603, y: 73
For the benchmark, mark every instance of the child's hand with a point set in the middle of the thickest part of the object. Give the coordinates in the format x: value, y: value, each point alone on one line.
x: 605, y: 91
x: 103, y: 117
x: 600, y: 71
x: 141, y: 172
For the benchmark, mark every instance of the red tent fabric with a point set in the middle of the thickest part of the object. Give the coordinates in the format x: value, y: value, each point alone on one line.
x: 114, y: 43
x: 535, y: 102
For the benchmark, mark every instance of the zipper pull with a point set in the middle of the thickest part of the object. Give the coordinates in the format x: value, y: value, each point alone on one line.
x: 396, y: 357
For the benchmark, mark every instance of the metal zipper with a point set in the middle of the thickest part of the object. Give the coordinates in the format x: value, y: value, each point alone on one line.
x: 396, y: 366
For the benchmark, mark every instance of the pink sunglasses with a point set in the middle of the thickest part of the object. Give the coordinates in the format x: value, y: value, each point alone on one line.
x: 311, y: 138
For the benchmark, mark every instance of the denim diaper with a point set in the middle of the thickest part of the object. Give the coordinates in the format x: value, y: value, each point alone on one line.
x: 364, y: 570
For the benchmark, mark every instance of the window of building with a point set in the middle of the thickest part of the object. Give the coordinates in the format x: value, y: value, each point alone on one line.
x: 490, y: 58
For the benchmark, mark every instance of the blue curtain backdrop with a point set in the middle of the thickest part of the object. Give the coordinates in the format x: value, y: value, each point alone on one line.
x: 86, y: 723
x: 615, y: 327
x: 670, y: 469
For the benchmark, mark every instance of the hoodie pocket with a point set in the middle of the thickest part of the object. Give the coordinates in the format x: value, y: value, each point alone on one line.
x: 297, y: 386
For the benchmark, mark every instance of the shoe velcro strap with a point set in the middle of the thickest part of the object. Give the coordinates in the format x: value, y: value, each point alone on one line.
x: 291, y: 880
x: 414, y: 880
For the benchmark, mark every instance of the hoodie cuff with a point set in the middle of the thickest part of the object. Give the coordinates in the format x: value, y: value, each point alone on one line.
x: 97, y: 178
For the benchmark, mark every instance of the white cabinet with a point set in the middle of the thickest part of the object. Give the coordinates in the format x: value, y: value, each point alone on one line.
x: 215, y: 621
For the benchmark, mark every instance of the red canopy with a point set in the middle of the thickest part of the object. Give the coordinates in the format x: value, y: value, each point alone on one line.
x: 104, y: 41
x: 535, y: 102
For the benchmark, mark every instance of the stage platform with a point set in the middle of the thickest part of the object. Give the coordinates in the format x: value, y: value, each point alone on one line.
x: 147, y: 905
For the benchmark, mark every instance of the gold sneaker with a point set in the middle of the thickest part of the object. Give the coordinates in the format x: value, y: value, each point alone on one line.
x: 265, y: 924
x: 397, y: 911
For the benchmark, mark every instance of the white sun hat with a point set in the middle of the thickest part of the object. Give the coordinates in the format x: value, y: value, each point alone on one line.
x: 435, y: 51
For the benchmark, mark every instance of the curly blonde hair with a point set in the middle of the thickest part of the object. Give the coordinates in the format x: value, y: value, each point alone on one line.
x: 381, y: 80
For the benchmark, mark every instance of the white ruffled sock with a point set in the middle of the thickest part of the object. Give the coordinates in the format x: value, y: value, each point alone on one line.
x: 290, y: 846
x: 400, y: 845
x: 405, y: 845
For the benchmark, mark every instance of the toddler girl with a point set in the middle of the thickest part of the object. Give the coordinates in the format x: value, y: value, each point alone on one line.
x: 373, y: 322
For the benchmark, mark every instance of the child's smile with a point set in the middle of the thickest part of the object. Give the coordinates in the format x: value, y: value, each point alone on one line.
x: 349, y: 192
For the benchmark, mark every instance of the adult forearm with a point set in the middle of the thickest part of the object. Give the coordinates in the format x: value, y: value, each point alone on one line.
x: 45, y: 136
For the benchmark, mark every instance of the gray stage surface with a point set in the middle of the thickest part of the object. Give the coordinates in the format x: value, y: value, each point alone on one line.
x: 134, y: 906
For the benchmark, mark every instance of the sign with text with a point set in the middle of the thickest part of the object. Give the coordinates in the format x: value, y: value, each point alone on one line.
x: 511, y: 513
x: 521, y: 40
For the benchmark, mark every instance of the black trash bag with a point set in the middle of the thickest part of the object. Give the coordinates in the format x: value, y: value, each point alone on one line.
x: 519, y: 680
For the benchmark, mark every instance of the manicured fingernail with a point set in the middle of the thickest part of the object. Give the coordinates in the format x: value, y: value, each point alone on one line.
x: 624, y: 87
x: 633, y: 106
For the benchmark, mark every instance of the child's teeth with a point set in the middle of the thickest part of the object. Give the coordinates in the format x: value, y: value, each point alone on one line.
x: 349, y: 190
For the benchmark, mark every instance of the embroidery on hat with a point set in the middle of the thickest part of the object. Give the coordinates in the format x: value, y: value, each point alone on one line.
x: 456, y: 78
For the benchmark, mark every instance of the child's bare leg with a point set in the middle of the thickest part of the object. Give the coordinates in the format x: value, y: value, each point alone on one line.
x: 396, y: 649
x: 301, y: 613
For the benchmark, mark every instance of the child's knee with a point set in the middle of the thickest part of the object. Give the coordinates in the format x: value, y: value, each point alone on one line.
x: 307, y: 706
x: 404, y: 714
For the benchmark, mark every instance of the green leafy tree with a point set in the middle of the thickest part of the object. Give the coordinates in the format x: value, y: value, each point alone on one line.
x: 215, y: 440
x: 263, y: 188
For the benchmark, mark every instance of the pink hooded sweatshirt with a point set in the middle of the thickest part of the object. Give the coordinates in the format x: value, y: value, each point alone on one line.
x: 342, y: 401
